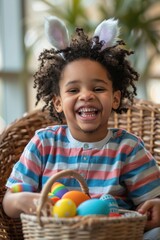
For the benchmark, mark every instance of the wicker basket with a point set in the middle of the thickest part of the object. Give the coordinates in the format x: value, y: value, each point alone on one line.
x: 129, y: 226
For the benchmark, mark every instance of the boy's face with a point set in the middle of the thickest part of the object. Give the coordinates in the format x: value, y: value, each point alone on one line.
x: 86, y: 98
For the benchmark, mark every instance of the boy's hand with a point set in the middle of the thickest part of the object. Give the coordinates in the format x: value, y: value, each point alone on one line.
x: 152, y: 209
x: 22, y: 202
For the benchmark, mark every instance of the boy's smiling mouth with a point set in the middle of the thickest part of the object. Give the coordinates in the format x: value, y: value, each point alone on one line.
x: 88, y: 112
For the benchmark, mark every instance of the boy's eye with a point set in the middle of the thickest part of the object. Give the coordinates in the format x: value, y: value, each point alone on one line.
x: 99, y: 89
x: 73, y: 90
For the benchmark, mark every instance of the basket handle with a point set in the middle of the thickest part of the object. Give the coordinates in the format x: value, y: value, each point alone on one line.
x: 54, y: 178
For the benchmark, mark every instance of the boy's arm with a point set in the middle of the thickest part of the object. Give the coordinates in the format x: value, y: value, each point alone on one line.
x: 16, y: 203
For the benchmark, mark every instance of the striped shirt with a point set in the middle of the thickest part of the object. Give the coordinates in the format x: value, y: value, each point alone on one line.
x: 119, y: 164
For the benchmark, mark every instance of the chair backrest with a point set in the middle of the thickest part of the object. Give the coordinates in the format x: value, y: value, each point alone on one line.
x: 142, y: 119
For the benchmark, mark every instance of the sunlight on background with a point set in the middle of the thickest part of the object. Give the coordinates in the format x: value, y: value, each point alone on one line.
x: 153, y: 86
x: 2, y: 121
x: 154, y: 90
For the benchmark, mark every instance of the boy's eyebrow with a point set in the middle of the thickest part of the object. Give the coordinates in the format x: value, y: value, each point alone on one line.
x: 94, y: 80
x: 72, y: 82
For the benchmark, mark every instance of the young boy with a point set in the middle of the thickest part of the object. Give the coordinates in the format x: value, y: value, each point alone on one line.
x: 82, y: 81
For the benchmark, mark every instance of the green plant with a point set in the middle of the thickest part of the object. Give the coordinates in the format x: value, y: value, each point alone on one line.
x: 140, y: 21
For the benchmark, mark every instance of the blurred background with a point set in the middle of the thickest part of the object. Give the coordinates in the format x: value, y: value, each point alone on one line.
x: 22, y: 39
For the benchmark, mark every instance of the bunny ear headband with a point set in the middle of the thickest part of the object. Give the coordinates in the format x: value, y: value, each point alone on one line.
x: 57, y: 33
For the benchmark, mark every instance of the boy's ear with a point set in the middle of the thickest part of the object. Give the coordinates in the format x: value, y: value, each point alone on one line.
x: 116, y: 99
x: 57, y: 104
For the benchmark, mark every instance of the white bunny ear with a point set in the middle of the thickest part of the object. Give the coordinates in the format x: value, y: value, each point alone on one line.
x: 108, y: 32
x: 56, y: 32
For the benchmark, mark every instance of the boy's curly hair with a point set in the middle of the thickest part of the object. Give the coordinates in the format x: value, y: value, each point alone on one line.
x: 113, y: 59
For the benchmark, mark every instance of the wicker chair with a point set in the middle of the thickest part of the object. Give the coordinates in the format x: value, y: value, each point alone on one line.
x: 142, y: 119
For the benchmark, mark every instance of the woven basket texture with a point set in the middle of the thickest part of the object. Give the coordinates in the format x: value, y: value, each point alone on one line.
x: 87, y: 227
x: 99, y: 228
x: 142, y: 119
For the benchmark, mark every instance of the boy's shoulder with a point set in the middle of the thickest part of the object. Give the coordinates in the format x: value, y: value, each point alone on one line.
x: 52, y: 130
x: 119, y: 133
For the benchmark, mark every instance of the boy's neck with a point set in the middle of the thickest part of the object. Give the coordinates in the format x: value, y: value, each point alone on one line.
x: 89, y: 137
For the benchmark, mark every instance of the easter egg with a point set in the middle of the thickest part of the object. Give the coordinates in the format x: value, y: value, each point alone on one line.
x: 93, y: 207
x: 110, y: 202
x: 53, y: 198
x: 114, y: 214
x: 76, y: 196
x: 64, y: 208
x: 58, y: 189
x: 22, y: 187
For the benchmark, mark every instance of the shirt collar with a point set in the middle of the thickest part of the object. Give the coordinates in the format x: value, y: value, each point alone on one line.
x: 88, y: 145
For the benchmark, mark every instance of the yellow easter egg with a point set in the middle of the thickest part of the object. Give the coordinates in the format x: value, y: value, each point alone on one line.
x: 64, y: 208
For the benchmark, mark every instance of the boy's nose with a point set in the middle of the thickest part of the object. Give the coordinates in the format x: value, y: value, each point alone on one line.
x: 87, y: 95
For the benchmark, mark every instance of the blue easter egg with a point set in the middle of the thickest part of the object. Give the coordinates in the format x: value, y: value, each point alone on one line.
x: 92, y: 207
x: 111, y: 202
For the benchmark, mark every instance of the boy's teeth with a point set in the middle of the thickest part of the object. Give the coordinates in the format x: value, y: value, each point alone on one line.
x: 86, y: 114
x: 87, y: 110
